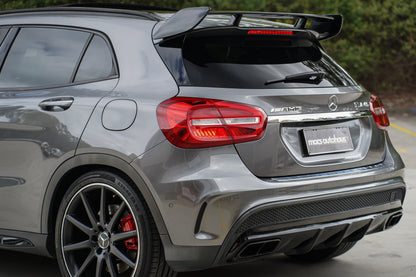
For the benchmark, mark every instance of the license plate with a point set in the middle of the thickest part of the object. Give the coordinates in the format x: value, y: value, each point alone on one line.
x: 327, y: 140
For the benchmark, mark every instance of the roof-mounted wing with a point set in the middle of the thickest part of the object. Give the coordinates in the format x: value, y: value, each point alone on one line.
x: 327, y: 29
x: 183, y: 21
x: 323, y: 26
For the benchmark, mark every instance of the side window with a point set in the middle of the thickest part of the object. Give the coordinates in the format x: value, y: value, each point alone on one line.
x: 42, y: 57
x: 97, y: 62
x: 3, y: 33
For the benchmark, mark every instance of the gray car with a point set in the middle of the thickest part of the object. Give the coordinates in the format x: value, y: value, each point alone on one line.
x: 145, y: 143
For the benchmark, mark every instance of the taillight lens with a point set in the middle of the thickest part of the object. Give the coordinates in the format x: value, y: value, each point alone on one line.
x: 379, y: 112
x: 198, y: 122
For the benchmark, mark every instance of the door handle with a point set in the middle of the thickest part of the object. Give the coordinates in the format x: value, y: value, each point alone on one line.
x: 56, y: 104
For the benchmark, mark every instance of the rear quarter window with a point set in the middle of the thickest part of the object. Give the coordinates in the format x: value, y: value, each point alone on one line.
x: 97, y: 62
x: 3, y: 33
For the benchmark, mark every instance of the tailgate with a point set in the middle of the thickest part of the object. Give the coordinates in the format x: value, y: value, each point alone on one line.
x: 294, y: 116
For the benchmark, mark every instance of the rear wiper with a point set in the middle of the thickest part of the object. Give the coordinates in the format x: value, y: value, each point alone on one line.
x: 306, y: 77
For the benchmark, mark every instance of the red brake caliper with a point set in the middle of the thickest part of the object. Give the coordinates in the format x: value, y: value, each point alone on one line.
x: 127, y: 224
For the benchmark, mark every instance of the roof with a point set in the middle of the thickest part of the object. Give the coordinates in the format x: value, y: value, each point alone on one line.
x: 109, y: 9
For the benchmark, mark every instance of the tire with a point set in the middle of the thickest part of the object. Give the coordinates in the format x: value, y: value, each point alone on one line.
x: 103, y: 228
x: 323, y: 254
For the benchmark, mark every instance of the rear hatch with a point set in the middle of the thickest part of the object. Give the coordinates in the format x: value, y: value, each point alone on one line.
x: 319, y: 119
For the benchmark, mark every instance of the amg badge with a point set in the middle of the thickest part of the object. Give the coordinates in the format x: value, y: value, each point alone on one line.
x: 293, y: 109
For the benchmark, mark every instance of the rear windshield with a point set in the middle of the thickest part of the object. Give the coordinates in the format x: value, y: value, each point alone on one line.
x: 260, y: 62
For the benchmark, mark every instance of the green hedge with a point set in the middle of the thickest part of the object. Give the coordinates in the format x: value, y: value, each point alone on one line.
x: 376, y: 45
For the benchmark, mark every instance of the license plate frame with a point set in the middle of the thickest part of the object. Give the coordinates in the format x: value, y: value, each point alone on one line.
x: 320, y: 141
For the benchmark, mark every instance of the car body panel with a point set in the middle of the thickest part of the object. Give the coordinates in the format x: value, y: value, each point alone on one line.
x: 34, y: 142
x: 84, y: 161
x: 185, y: 185
x: 280, y: 151
x: 145, y: 80
x: 86, y: 98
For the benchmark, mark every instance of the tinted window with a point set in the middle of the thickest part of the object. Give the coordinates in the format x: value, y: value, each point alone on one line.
x: 97, y: 62
x: 3, y: 33
x: 249, y: 62
x: 42, y: 57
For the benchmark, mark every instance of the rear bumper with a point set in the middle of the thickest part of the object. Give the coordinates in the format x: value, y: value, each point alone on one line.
x: 295, y: 228
x: 213, y: 207
x: 301, y: 237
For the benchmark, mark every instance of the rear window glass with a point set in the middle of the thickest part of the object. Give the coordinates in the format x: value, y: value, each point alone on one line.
x: 42, y: 57
x: 249, y: 62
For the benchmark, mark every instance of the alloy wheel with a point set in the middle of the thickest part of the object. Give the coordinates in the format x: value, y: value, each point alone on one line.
x: 99, y: 233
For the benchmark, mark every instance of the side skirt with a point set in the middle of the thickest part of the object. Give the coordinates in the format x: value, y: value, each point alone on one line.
x: 26, y: 242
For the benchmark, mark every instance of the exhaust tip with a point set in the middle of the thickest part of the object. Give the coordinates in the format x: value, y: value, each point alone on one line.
x: 254, y: 249
x: 393, y: 220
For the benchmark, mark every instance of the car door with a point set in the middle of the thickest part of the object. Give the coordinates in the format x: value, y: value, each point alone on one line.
x: 50, y: 81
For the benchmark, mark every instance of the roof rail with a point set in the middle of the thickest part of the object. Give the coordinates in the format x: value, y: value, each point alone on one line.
x: 118, y: 6
x: 145, y: 15
x: 323, y: 26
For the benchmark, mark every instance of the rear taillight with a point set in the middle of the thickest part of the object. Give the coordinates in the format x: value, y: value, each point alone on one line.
x: 379, y: 112
x: 198, y: 122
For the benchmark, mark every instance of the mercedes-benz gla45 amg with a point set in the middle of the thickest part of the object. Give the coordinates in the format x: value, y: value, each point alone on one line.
x: 143, y: 143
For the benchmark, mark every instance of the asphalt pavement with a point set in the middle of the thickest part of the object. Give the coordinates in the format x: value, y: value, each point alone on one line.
x: 385, y: 254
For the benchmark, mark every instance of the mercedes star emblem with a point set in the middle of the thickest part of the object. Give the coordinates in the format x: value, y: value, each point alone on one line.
x: 333, y: 103
x: 104, y: 240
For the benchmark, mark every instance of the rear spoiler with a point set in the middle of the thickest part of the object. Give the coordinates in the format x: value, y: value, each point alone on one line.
x: 185, y: 20
x: 181, y: 22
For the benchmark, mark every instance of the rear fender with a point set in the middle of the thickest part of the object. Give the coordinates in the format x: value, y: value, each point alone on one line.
x: 95, y: 161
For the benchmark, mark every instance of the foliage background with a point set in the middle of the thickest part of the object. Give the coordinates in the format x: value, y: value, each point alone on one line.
x: 376, y: 45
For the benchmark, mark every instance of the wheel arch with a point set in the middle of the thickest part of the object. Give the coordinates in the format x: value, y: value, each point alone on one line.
x: 75, y: 167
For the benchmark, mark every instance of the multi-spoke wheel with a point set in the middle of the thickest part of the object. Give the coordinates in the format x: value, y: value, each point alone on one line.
x: 103, y: 229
